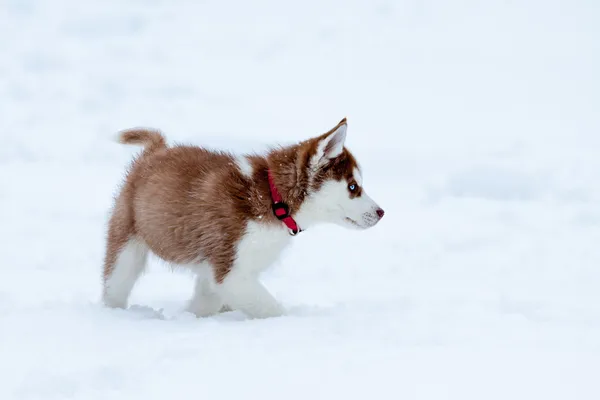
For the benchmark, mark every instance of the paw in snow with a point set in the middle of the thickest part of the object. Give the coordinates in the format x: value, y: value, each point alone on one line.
x: 146, y: 312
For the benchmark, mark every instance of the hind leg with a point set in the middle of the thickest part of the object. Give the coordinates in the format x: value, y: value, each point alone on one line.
x: 205, y: 301
x: 125, y: 257
x: 121, y: 276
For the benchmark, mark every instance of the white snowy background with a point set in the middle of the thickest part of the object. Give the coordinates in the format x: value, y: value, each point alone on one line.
x: 478, y: 127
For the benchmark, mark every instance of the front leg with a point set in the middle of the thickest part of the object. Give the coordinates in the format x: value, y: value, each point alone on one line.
x: 244, y: 292
x: 206, y: 301
x: 237, y: 274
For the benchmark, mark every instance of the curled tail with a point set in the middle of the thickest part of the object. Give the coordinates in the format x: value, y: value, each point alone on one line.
x: 152, y: 140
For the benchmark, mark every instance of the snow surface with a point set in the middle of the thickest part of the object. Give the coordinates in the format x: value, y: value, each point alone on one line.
x: 478, y: 130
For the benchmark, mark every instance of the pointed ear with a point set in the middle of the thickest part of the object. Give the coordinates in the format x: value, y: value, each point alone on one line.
x: 331, y: 144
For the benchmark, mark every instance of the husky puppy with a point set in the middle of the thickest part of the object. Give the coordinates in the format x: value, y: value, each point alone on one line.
x: 227, y: 217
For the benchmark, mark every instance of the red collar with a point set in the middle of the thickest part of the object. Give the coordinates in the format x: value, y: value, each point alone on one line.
x: 281, y: 209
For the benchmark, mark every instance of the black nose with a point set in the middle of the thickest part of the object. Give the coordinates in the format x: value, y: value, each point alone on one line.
x: 380, y: 212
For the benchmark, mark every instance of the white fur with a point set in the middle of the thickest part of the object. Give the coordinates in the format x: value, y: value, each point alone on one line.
x: 130, y: 263
x: 357, y: 176
x: 332, y: 203
x: 244, y: 165
x: 335, y: 141
x: 206, y: 300
x: 245, y: 292
x: 260, y: 246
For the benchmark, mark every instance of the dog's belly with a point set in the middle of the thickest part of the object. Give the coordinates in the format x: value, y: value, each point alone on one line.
x: 188, y: 239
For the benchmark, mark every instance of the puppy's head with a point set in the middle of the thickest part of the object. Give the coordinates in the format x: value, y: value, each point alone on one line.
x: 336, y: 190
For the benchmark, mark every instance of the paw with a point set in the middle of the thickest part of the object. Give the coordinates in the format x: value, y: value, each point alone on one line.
x: 113, y: 302
x: 225, y: 309
x: 204, y: 310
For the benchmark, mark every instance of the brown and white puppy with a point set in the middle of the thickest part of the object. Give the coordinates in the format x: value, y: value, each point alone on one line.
x: 213, y: 212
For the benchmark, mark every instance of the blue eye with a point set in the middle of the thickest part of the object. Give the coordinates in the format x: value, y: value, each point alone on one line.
x: 352, y: 187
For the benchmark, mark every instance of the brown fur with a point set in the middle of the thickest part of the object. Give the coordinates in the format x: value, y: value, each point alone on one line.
x: 189, y: 204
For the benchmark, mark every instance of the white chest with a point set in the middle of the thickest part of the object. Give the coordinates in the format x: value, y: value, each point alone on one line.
x: 260, y: 247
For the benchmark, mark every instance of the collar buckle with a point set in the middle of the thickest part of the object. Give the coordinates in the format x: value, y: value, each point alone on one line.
x: 281, y: 210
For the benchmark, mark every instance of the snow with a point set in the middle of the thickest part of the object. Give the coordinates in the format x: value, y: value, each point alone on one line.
x: 477, y: 128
